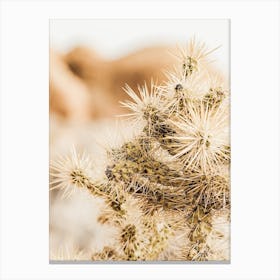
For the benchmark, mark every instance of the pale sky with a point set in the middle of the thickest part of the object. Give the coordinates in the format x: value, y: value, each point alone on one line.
x: 113, y: 37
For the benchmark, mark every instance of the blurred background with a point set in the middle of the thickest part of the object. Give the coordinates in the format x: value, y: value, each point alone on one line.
x: 91, y: 60
x: 90, y: 63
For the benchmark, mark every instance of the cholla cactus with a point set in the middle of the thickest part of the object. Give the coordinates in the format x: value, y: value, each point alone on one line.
x: 167, y: 189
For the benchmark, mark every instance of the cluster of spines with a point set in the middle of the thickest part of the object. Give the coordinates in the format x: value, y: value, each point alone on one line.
x: 187, y: 120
